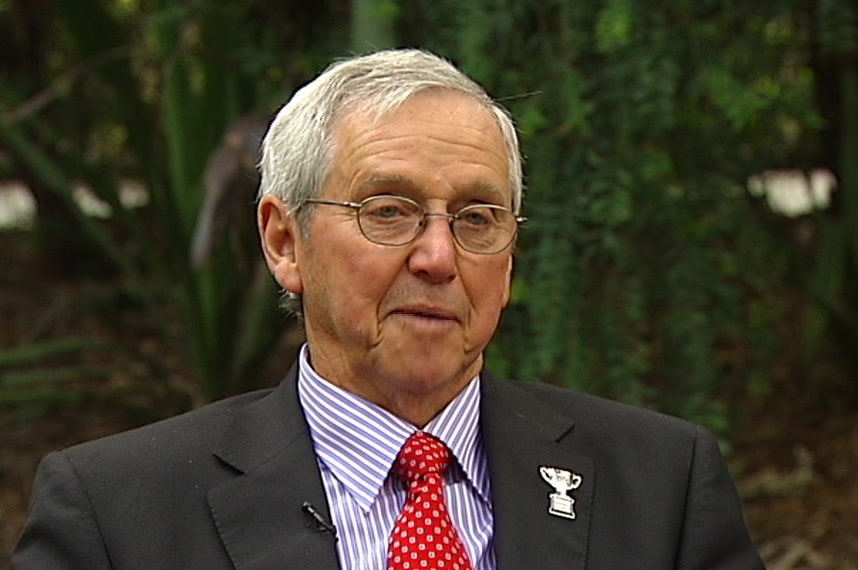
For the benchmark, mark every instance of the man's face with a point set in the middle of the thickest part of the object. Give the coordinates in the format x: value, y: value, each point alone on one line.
x: 404, y: 327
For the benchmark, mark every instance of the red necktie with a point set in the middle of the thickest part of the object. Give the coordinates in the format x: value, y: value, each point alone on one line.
x: 424, y: 537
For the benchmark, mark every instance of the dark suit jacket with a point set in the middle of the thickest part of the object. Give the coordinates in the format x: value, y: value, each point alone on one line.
x: 222, y: 487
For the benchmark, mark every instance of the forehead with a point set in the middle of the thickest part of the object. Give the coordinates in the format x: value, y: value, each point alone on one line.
x: 435, y: 139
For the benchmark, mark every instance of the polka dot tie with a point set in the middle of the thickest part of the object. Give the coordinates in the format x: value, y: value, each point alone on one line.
x: 424, y: 537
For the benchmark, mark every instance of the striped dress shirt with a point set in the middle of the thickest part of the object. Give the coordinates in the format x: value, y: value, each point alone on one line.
x: 356, y: 443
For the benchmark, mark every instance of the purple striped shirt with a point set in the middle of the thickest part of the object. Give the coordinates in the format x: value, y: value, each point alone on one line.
x: 356, y: 443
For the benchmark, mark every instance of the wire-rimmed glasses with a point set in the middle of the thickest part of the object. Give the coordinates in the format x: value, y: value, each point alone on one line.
x: 397, y: 220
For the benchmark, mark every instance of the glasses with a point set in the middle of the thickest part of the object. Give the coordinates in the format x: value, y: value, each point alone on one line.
x: 396, y: 220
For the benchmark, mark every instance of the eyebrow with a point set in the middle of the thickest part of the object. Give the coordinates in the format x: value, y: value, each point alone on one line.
x: 383, y: 181
x: 480, y: 188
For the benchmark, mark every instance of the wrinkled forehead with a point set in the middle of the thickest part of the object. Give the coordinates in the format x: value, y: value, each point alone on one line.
x: 431, y: 130
x: 377, y: 108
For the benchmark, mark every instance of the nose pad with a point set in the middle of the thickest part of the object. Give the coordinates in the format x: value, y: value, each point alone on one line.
x: 447, y: 219
x: 434, y: 253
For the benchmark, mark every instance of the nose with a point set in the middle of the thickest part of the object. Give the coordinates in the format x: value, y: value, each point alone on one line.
x: 434, y: 251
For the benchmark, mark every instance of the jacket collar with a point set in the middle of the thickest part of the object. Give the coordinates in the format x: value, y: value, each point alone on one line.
x: 523, y: 433
x: 259, y: 513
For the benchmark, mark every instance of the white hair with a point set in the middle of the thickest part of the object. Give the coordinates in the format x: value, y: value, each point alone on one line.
x: 297, y: 150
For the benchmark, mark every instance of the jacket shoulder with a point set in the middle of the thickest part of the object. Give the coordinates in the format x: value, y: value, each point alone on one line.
x: 587, y: 408
x: 600, y: 426
x: 188, y: 435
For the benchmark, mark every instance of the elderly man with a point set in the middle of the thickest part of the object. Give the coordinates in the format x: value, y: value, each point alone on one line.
x: 390, y: 199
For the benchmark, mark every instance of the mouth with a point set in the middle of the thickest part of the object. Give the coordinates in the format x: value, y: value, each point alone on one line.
x: 427, y: 312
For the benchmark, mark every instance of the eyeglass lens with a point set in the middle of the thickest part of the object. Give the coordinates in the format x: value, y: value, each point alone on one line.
x: 391, y: 220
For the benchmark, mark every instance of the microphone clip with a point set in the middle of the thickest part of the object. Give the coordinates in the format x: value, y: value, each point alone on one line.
x: 321, y: 524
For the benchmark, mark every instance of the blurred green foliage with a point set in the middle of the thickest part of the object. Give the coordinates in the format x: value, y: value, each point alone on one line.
x: 147, y: 98
x: 647, y: 272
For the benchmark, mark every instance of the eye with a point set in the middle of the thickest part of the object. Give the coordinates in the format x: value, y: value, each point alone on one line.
x: 476, y: 216
x: 388, y: 209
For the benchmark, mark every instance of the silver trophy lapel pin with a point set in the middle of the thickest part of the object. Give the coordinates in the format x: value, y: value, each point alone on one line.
x: 561, y: 504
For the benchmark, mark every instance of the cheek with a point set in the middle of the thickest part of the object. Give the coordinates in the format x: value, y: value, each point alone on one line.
x: 361, y: 280
x: 490, y: 293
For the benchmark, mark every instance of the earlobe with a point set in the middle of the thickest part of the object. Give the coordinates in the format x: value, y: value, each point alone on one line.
x: 278, y: 231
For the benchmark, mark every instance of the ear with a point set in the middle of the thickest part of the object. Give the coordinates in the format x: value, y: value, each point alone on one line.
x: 279, y: 233
x: 508, y: 284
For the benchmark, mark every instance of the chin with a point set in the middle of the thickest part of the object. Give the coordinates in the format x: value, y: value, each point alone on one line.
x: 427, y: 372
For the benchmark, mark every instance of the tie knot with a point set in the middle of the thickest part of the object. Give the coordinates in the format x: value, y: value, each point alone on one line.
x: 422, y: 454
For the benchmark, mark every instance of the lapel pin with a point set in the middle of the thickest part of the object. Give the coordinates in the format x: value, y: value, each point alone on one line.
x: 561, y: 504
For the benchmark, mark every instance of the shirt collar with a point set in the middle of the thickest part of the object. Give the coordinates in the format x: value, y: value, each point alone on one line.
x: 358, y: 440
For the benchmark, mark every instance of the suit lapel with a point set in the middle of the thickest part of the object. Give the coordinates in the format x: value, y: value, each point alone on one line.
x: 261, y: 523
x: 521, y: 433
x: 259, y: 512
